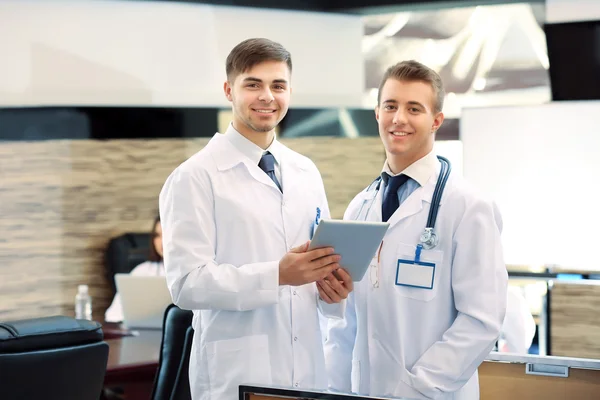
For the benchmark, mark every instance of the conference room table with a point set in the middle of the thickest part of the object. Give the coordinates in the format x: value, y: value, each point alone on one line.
x: 132, y: 361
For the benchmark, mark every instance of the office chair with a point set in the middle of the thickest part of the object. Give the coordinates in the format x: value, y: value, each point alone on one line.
x: 124, y: 253
x: 52, y: 358
x: 171, y: 382
x: 181, y: 391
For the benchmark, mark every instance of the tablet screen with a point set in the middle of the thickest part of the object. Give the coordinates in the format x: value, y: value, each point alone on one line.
x: 355, y: 241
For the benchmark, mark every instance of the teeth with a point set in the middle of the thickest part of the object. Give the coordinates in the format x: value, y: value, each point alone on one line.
x: 264, y: 111
x: 399, y: 133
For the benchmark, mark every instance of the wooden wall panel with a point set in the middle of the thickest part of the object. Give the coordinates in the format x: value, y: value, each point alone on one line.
x: 61, y: 201
x: 31, y: 227
x: 574, y: 320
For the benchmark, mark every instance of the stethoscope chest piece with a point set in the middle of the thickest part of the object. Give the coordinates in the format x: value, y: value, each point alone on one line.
x: 428, y: 239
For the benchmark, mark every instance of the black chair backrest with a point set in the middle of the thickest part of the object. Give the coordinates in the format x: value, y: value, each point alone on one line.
x: 181, y: 391
x: 124, y: 253
x: 172, y: 357
x: 52, y: 358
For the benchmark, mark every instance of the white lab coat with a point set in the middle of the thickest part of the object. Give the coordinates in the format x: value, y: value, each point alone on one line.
x: 398, y: 341
x: 225, y: 228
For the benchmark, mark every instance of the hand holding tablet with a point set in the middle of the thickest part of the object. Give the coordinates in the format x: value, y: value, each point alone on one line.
x: 300, y: 266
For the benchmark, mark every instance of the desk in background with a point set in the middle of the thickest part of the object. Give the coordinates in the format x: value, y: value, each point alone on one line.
x: 513, y: 376
x: 133, y: 362
x: 502, y: 376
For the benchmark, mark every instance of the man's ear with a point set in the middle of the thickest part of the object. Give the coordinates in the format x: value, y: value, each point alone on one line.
x: 437, y: 121
x: 377, y: 113
x: 227, y: 90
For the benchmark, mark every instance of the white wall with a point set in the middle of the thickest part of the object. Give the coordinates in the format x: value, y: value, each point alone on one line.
x: 541, y: 165
x: 572, y: 10
x: 453, y: 151
x: 154, y: 53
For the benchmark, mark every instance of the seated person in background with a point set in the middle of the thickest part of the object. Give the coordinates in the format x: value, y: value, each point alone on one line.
x: 518, y: 328
x: 154, y: 266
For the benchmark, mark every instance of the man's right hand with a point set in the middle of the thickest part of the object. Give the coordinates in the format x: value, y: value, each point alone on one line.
x: 300, y: 266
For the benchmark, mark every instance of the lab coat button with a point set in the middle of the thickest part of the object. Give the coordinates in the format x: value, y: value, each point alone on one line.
x: 295, y: 338
x: 296, y: 384
x: 294, y: 292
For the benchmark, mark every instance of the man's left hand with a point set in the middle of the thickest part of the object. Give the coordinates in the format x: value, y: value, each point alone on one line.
x: 335, y: 287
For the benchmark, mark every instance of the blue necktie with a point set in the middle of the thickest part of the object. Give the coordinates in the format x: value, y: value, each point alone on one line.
x: 267, y: 164
x: 390, y: 199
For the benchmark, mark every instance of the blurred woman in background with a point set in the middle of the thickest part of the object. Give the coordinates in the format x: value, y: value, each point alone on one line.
x: 153, y: 266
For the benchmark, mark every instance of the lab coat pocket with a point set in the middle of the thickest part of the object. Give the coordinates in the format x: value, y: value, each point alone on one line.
x: 238, y: 361
x: 355, y: 376
x: 430, y: 263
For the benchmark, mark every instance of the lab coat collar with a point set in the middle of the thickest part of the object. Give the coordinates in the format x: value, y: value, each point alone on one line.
x: 227, y: 155
x: 232, y: 148
x: 249, y: 149
x: 420, y: 171
x: 414, y: 203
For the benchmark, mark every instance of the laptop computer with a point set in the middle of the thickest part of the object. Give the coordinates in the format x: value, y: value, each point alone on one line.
x: 143, y: 299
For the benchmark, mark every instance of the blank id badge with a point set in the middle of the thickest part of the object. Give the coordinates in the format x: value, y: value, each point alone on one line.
x: 415, y: 273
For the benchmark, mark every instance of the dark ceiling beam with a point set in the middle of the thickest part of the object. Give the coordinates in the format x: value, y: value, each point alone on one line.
x: 296, y: 5
x: 367, y: 7
x: 350, y: 6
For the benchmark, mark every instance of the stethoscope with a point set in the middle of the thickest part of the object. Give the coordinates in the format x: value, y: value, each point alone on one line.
x: 428, y: 238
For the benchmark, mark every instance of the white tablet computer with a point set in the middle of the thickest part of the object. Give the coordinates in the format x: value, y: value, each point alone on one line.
x: 356, y: 241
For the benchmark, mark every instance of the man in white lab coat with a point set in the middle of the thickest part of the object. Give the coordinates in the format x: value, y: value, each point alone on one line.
x: 237, y: 219
x: 422, y: 320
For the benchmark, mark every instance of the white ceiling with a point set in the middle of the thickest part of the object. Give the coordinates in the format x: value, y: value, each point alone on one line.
x: 495, y: 54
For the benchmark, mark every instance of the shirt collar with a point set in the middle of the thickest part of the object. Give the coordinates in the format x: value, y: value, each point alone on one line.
x: 420, y: 171
x: 249, y: 149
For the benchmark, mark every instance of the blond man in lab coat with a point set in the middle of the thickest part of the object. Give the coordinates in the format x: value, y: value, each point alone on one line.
x: 420, y: 322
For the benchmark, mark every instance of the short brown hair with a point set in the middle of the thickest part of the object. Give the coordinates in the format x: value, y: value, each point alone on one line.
x: 254, y: 51
x: 415, y: 71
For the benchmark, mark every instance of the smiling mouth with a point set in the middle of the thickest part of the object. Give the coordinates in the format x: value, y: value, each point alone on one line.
x: 400, y: 134
x: 264, y: 111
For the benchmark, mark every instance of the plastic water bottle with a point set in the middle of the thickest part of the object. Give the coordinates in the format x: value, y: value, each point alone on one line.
x: 83, y: 303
